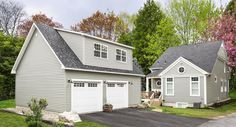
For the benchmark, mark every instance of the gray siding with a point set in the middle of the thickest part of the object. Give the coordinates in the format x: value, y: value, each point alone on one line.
x: 182, y: 84
x: 75, y: 42
x: 39, y: 75
x: 214, y: 93
x: 182, y: 91
x: 83, y: 47
x: 134, y: 90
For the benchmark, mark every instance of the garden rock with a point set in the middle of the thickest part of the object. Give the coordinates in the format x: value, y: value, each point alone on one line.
x: 69, y: 117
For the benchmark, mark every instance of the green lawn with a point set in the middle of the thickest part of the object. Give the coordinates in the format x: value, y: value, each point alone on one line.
x: 14, y: 120
x: 204, y: 113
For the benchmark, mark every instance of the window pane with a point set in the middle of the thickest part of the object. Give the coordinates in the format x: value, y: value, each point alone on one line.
x: 194, y: 91
x: 104, y: 55
x: 123, y: 53
x: 110, y: 85
x: 169, y: 79
x: 194, y: 78
x: 97, y: 53
x: 97, y: 46
x: 169, y: 85
x: 123, y: 59
x: 118, y: 51
x: 194, y: 85
x: 104, y: 48
x: 118, y: 57
x: 169, y: 91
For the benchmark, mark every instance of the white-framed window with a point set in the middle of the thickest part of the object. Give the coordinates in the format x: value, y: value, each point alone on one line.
x: 100, y: 50
x: 121, y: 55
x: 170, y: 86
x: 120, y: 85
x: 78, y: 84
x: 181, y: 69
x: 111, y: 85
x: 226, y: 86
x: 194, y: 86
x: 221, y: 86
x: 215, y: 78
x: 92, y: 84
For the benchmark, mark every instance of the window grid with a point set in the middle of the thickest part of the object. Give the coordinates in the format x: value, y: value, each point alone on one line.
x: 100, y: 50
x: 169, y: 86
x: 92, y: 84
x: 195, y: 86
x: 121, y: 55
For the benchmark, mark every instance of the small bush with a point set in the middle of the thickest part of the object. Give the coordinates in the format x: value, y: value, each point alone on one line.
x: 34, y: 118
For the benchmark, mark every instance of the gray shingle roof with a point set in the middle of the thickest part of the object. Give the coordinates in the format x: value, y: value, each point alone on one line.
x: 68, y: 57
x: 202, y: 55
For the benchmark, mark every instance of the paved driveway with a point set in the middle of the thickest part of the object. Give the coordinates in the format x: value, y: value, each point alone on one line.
x: 140, y: 118
x: 228, y: 121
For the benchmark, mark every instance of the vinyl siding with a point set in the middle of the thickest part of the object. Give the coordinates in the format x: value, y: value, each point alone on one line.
x: 182, y: 84
x: 213, y: 89
x: 83, y: 47
x: 39, y: 75
x: 134, y: 90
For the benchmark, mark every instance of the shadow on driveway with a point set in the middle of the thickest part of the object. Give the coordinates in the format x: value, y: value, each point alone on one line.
x: 131, y: 117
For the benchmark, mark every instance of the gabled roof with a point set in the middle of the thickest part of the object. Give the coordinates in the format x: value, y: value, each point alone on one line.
x: 67, y: 57
x: 202, y: 55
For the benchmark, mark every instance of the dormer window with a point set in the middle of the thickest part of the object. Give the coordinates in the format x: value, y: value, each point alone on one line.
x: 120, y: 55
x: 100, y: 50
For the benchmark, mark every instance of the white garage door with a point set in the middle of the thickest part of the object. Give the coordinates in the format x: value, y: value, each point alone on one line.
x: 117, y: 94
x: 87, y: 97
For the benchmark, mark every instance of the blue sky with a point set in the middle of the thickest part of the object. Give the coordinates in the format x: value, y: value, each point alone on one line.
x: 69, y: 12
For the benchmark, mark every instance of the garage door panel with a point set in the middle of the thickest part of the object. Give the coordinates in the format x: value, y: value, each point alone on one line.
x: 117, y: 95
x: 87, y: 97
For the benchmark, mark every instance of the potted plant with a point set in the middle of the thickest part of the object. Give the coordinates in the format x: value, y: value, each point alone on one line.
x: 107, y: 107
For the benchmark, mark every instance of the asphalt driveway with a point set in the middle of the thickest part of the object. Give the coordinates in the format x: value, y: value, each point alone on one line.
x: 131, y: 117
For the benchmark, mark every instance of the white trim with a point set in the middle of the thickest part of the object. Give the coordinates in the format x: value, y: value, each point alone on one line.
x: 191, y: 94
x: 94, y: 37
x: 72, y: 97
x: 179, y: 68
x: 25, y: 45
x: 101, y: 45
x: 205, y: 89
x: 147, y: 84
x: 187, y: 62
x: 221, y: 85
x: 121, y: 55
x: 173, y: 87
x: 184, y: 75
x: 85, y: 80
x: 119, y: 73
x: 162, y: 90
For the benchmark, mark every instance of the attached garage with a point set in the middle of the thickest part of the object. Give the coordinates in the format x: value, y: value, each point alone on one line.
x: 90, y: 95
x: 87, y: 96
x: 117, y: 94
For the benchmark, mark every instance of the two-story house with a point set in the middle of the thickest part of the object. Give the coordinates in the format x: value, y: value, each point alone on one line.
x: 191, y: 74
x: 75, y: 71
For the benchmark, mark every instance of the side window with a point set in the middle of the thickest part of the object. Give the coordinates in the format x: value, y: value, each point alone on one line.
x: 100, y: 50
x: 169, y: 86
x: 120, y: 55
x: 221, y: 86
x: 194, y: 87
x: 215, y: 79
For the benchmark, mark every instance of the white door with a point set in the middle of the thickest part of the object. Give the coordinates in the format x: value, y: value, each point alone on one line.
x: 87, y: 97
x: 117, y: 94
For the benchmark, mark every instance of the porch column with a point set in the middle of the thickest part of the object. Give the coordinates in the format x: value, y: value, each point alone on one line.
x: 147, y: 84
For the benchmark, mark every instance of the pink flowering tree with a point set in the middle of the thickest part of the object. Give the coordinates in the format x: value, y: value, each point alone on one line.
x: 224, y: 29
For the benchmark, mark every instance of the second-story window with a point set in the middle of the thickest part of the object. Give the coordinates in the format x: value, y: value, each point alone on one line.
x: 120, y: 55
x: 100, y: 50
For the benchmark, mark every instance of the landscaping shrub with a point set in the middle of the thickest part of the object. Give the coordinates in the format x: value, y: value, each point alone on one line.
x: 34, y: 118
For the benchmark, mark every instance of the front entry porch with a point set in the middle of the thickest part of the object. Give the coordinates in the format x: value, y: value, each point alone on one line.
x: 153, y: 93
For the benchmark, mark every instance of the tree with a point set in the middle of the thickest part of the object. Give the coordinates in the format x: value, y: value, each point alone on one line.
x: 25, y: 26
x: 104, y: 25
x: 191, y: 18
x: 11, y: 13
x: 9, y: 49
x: 230, y: 8
x: 148, y: 18
x: 164, y: 38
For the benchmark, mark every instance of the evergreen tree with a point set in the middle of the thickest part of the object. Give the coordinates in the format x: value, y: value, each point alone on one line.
x: 147, y: 20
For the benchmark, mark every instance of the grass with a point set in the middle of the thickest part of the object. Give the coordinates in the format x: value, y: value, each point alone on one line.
x: 14, y: 120
x: 204, y: 113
